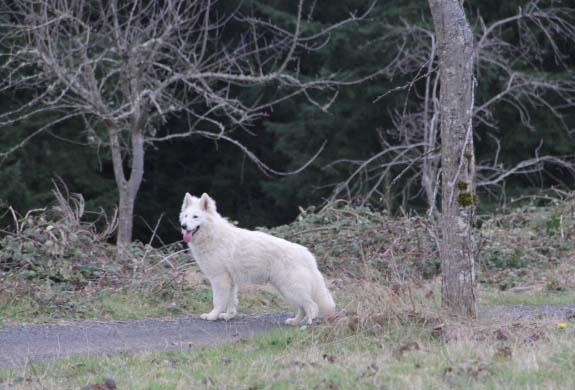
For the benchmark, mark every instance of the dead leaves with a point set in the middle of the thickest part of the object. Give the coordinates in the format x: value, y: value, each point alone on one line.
x: 109, y: 384
x: 503, y: 352
x: 457, y: 375
x: 407, y: 346
x: 502, y: 334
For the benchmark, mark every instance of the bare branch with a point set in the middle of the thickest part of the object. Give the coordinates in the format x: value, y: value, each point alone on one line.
x: 417, y: 130
x: 127, y: 66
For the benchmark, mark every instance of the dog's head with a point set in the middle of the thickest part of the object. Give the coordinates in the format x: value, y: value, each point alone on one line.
x: 195, y: 212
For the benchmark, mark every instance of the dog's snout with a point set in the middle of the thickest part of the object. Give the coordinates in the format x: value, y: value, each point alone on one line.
x: 184, y: 226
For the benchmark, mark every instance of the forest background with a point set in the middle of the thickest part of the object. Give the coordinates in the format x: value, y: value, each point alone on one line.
x: 360, y: 123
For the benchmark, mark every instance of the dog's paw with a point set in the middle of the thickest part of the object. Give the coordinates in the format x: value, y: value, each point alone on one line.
x: 226, y: 316
x: 292, y: 321
x: 209, y: 316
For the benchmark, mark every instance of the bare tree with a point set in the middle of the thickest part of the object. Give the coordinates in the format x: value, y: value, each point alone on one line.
x: 523, y: 84
x: 125, y: 67
x: 456, y: 55
x: 443, y: 63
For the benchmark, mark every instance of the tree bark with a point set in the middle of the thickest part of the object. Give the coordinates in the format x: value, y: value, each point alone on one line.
x: 127, y: 188
x: 457, y: 245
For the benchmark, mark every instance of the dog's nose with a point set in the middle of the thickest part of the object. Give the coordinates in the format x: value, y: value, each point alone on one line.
x: 184, y: 226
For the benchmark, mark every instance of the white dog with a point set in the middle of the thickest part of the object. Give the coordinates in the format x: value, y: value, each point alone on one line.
x: 230, y: 257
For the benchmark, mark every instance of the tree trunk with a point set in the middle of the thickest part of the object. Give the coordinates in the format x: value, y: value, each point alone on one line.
x: 457, y: 245
x: 127, y: 188
x: 125, y: 217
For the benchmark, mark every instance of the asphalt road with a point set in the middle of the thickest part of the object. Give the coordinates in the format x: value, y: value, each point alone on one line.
x: 23, y: 343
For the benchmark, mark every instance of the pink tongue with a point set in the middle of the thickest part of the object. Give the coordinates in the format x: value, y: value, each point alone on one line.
x: 188, y: 236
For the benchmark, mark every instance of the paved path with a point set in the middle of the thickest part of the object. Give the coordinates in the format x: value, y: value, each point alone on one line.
x: 22, y: 343
x: 563, y: 312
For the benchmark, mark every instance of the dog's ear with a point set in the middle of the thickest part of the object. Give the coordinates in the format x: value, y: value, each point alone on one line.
x: 207, y: 203
x: 187, y: 201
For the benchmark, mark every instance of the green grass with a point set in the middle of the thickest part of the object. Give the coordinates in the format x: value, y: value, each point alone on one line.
x: 490, y: 297
x: 107, y: 304
x: 129, y: 303
x: 295, y: 358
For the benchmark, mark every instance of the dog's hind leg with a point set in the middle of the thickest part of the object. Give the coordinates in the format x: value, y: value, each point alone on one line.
x: 298, y: 317
x: 311, y: 311
x: 232, y: 306
x: 299, y: 295
x: 306, y: 313
x: 221, y: 289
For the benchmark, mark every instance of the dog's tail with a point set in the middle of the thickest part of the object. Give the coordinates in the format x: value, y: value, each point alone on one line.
x: 322, y: 297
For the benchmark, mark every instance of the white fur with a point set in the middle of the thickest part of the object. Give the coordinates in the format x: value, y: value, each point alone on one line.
x: 231, y: 257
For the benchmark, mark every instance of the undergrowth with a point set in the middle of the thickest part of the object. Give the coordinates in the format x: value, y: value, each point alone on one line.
x: 522, y: 246
x: 57, y: 262
x: 359, y: 242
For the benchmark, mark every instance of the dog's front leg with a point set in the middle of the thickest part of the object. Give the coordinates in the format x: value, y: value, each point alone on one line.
x: 231, y: 309
x: 221, y: 286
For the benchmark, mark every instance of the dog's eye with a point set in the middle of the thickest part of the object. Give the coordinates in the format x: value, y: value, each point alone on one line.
x: 195, y: 216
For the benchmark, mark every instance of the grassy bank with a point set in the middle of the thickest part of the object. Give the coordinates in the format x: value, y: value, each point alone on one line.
x: 484, y: 354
